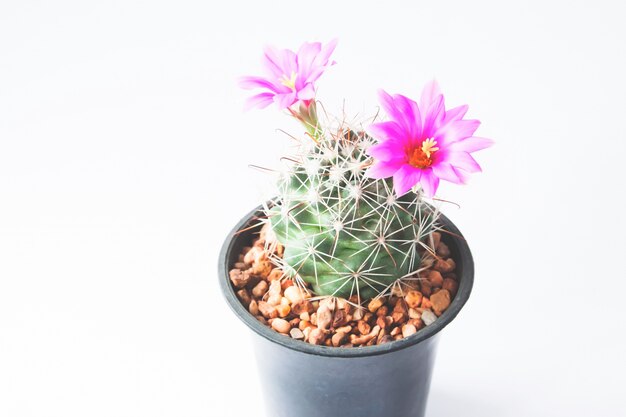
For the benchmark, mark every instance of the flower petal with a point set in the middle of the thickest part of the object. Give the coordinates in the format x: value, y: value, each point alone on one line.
x: 320, y: 63
x: 430, y: 93
x: 405, y: 178
x: 249, y: 83
x: 326, y: 52
x: 464, y: 161
x: 471, y: 144
x: 410, y: 115
x: 445, y: 171
x: 383, y: 169
x: 385, y: 130
x: 260, y: 100
x: 388, y: 105
x: 456, y: 113
x: 284, y: 101
x: 273, y: 61
x: 387, y: 150
x: 306, y: 93
x: 463, y: 176
x: 429, y: 183
x: 432, y: 117
x: 457, y: 130
x: 307, y: 54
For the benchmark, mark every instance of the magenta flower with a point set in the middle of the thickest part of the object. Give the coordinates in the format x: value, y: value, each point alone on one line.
x: 290, y: 76
x: 424, y: 143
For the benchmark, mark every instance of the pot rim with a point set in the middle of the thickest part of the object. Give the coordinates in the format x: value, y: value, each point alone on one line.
x: 466, y: 281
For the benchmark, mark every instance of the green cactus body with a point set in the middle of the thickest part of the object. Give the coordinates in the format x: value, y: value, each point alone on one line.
x: 344, y: 233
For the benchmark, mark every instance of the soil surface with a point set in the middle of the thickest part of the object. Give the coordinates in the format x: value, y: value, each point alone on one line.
x: 291, y: 309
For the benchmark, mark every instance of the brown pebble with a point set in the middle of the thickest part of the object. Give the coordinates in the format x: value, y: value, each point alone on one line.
x: 275, y: 274
x: 368, y: 317
x: 418, y: 323
x: 451, y: 285
x: 364, y: 327
x: 253, y: 308
x: 443, y: 250
x: 399, y: 316
x: 414, y: 314
x: 413, y: 298
x: 304, y: 324
x: 338, y: 338
x: 395, y: 331
x: 244, y: 297
x: 445, y: 266
x: 255, y: 254
x: 426, y: 303
x: 426, y: 287
x: 283, y: 310
x: 261, y: 269
x: 274, y: 293
x: 239, y: 278
x: 400, y: 312
x: 268, y: 311
x: 324, y: 317
x: 383, y: 311
x: 260, y: 289
x: 435, y: 278
x: 358, y: 314
x: 281, y: 326
x: 375, y: 304
x: 241, y: 265
x: 366, y: 338
x: 304, y: 306
x: 440, y: 301
x: 340, y: 318
x: 384, y: 322
x: 317, y: 336
x: 345, y: 329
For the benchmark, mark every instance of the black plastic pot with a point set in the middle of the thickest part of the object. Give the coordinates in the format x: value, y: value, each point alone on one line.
x: 303, y: 380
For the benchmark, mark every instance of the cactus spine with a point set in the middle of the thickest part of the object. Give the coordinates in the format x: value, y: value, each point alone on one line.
x: 343, y: 233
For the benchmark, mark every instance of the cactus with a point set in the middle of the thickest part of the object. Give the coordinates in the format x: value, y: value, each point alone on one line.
x: 343, y: 233
x: 346, y: 233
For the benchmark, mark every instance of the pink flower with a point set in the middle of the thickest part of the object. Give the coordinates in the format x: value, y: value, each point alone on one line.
x: 290, y: 76
x: 424, y: 143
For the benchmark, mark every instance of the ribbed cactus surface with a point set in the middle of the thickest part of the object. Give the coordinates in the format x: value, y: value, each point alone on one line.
x: 343, y: 233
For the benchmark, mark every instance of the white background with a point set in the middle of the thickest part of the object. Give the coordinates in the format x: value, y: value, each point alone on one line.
x: 124, y: 159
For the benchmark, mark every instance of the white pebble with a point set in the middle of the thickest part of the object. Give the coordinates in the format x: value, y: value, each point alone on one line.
x: 428, y: 317
x: 294, y: 294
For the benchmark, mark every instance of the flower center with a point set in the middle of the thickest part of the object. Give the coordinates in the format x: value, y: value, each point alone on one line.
x: 289, y: 82
x: 420, y: 157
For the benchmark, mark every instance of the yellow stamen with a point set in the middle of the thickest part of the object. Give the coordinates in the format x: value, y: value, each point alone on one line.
x: 429, y: 147
x: 289, y: 82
